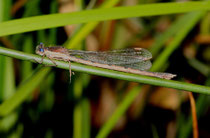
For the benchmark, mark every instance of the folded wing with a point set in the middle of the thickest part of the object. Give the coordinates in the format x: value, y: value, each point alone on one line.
x: 137, y: 58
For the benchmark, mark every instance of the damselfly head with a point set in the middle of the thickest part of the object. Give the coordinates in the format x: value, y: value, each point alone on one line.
x: 40, y: 49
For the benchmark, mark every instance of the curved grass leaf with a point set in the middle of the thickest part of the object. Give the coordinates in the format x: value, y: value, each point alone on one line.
x: 23, y: 92
x: 56, y: 20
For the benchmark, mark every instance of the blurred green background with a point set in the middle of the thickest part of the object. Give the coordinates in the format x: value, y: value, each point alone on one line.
x: 40, y: 101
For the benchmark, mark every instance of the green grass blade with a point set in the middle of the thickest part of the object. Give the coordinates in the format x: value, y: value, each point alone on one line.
x: 5, y: 6
x: 86, y: 119
x: 122, y: 107
x: 22, y: 92
x: 56, y: 20
x: 199, y: 66
x: 87, y: 28
x: 27, y: 66
x: 173, y: 29
x: 180, y: 35
x: 77, y: 117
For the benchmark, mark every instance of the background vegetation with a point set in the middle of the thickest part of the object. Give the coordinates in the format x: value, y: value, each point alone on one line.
x: 39, y: 101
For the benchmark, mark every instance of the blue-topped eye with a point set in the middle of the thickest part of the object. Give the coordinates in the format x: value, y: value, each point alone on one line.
x: 41, y: 50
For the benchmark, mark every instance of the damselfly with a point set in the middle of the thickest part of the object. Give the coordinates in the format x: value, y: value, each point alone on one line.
x: 133, y: 60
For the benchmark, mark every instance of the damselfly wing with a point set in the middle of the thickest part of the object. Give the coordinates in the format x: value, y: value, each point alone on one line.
x: 135, y: 58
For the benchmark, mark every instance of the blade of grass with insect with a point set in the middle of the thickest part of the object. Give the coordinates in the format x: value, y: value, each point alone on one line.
x: 109, y: 73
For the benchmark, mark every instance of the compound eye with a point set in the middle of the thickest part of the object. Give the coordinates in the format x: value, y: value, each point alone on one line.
x: 41, y: 50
